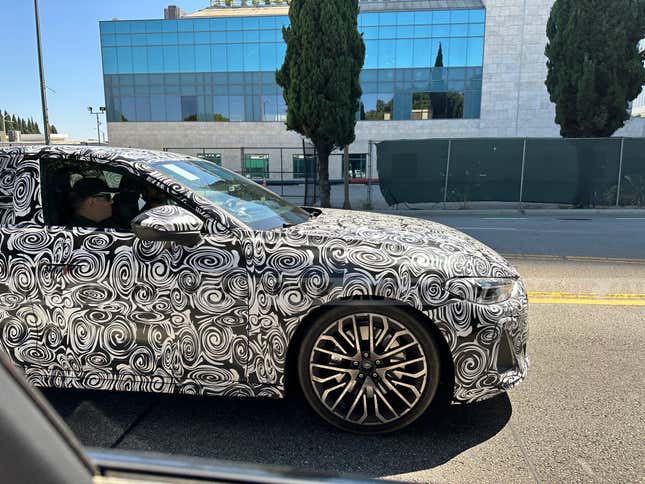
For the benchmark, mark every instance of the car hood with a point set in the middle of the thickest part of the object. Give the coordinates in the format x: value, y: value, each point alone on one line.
x: 380, y: 239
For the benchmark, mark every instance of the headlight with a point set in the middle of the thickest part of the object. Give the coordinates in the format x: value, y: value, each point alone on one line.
x: 483, y: 290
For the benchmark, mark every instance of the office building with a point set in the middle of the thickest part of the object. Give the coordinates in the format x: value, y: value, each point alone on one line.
x: 433, y: 68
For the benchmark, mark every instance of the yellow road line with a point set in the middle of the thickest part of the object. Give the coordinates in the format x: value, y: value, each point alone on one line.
x: 587, y: 295
x: 534, y: 256
x: 587, y: 299
x: 605, y: 259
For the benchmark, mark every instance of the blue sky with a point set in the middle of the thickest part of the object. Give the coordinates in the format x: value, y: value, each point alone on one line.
x: 72, y: 56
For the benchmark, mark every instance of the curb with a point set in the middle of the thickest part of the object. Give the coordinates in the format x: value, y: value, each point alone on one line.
x: 561, y: 212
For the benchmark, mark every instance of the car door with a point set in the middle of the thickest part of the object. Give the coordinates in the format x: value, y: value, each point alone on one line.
x: 21, y: 242
x: 147, y: 316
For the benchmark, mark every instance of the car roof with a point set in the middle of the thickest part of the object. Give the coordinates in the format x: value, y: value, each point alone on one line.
x: 123, y: 155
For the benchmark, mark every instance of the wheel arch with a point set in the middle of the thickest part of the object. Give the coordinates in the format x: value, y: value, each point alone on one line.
x: 445, y: 392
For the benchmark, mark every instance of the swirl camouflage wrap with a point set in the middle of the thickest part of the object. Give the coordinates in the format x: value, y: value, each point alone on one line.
x: 169, y: 218
x: 90, y: 308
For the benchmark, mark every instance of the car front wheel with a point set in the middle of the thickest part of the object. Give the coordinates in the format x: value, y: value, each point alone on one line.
x: 369, y: 369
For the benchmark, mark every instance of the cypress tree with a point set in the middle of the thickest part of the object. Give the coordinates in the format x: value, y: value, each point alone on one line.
x: 52, y: 129
x: 320, y: 76
x: 439, y: 60
x: 2, y: 127
x: 8, y: 121
x: 594, y: 66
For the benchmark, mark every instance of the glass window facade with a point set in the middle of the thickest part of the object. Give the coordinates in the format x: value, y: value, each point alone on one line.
x: 303, y: 166
x: 212, y: 157
x: 437, y: 105
x: 256, y: 166
x: 223, y: 69
x: 358, y: 165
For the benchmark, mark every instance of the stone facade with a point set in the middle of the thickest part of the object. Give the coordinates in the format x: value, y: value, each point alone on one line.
x: 515, y: 101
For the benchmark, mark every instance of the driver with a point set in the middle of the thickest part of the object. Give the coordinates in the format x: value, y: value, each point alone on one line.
x: 91, y: 201
x: 153, y: 197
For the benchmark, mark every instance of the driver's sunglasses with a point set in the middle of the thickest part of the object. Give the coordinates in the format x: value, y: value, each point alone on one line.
x: 105, y: 196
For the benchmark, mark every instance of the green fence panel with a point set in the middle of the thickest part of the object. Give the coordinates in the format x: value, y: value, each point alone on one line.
x: 485, y: 170
x: 412, y: 171
x: 551, y: 171
x: 632, y: 185
x: 582, y: 172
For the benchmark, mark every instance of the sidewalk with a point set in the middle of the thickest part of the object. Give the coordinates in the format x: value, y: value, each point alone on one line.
x: 532, y: 212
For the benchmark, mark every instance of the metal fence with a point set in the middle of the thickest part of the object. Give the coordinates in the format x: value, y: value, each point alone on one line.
x: 577, y: 172
x: 291, y: 172
x: 454, y: 172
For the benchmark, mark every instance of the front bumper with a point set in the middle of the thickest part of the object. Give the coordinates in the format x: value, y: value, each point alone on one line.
x: 487, y: 343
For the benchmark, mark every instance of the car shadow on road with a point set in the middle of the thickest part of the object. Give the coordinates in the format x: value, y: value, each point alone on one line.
x: 276, y: 432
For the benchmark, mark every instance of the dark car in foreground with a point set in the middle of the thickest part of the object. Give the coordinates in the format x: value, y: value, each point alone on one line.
x: 37, y: 447
x: 224, y: 288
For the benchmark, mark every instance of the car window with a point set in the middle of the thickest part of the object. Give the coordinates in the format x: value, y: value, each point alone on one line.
x: 87, y: 195
x: 259, y: 208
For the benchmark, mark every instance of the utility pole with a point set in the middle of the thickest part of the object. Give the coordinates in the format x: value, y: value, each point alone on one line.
x: 98, y: 123
x: 43, y: 94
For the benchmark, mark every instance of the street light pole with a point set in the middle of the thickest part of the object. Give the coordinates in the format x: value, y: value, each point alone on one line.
x: 43, y: 94
x: 98, y: 123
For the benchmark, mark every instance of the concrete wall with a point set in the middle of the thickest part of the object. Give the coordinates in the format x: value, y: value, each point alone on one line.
x: 515, y: 101
x: 635, y: 128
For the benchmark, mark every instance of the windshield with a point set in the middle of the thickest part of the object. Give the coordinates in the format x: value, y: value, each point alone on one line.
x: 259, y: 208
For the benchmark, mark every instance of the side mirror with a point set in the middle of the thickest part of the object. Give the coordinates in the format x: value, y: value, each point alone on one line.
x: 168, y: 223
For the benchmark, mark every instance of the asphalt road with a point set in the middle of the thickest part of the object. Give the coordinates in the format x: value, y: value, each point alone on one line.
x: 578, y: 417
x: 568, y: 235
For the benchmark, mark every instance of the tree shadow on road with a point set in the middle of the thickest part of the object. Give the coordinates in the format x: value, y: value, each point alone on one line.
x: 276, y: 432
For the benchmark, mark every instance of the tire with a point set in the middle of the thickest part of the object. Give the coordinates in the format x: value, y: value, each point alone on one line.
x: 376, y: 389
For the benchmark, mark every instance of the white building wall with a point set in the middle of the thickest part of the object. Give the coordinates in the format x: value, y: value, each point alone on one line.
x: 515, y: 101
x: 638, y: 106
x: 635, y: 128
